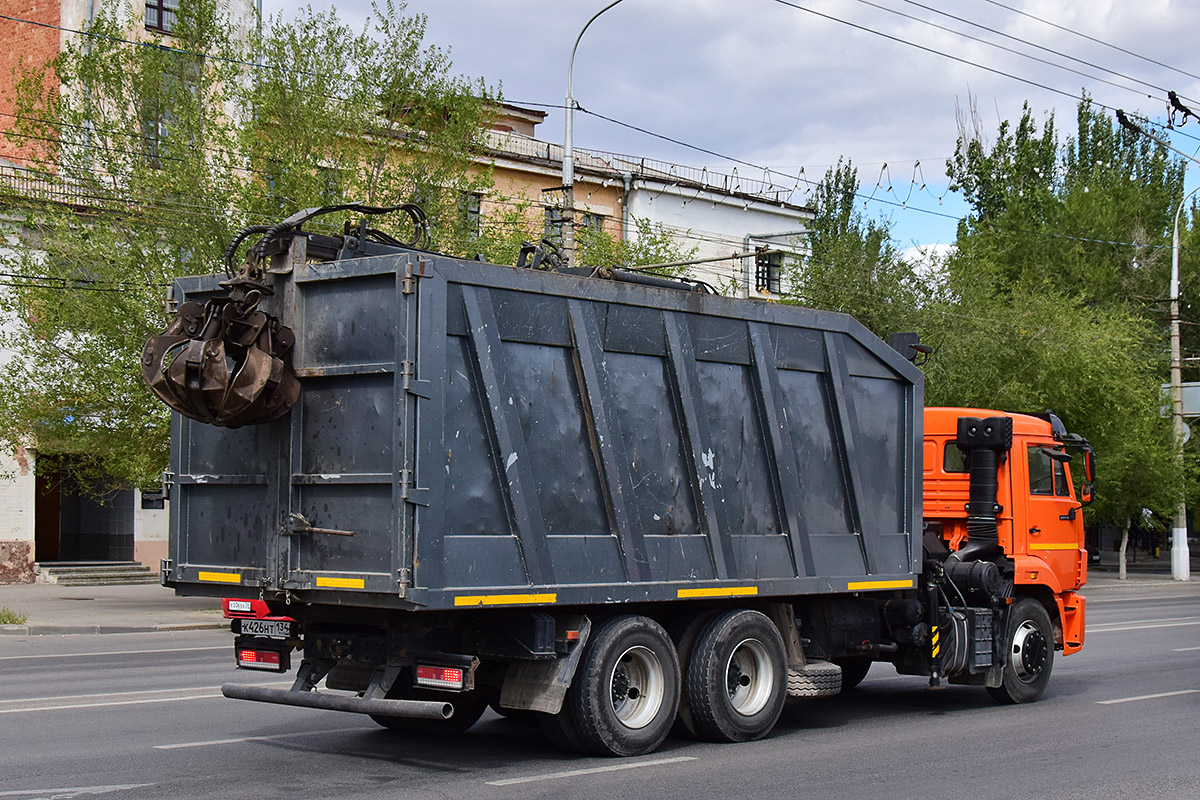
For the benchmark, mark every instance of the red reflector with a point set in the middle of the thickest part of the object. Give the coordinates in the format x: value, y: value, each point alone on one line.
x: 258, y: 657
x: 572, y: 636
x: 444, y: 677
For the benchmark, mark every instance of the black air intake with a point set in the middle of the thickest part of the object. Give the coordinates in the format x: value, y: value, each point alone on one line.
x: 984, y: 442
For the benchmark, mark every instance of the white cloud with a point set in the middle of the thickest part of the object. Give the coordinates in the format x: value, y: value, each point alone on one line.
x: 773, y: 85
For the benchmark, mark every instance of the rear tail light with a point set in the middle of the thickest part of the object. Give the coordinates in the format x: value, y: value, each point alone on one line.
x: 261, y: 659
x: 440, y: 677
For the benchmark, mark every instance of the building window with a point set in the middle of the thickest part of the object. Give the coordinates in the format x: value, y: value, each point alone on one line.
x: 768, y: 269
x: 161, y: 15
x: 468, y: 213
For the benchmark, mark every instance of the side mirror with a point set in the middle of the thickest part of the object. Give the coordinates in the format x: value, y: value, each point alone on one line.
x: 1089, y: 466
x: 1085, y: 493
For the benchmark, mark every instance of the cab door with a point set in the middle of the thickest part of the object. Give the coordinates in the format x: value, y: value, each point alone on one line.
x: 1055, y: 517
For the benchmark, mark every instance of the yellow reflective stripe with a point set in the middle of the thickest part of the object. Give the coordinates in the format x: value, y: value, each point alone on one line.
x: 855, y: 586
x: 1054, y: 546
x: 220, y: 577
x: 341, y: 583
x: 504, y: 599
x: 720, y: 591
x: 937, y: 648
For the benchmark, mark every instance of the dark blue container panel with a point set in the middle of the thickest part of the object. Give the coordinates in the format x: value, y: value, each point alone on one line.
x: 480, y: 435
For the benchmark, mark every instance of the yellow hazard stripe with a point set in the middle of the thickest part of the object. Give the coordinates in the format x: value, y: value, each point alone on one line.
x: 855, y: 586
x: 1054, y: 546
x: 220, y: 577
x: 937, y: 648
x: 341, y: 583
x: 504, y: 599
x: 719, y: 591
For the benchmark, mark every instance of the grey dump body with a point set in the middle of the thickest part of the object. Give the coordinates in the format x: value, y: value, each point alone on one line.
x: 472, y: 435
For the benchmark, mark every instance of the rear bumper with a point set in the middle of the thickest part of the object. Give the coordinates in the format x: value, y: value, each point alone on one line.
x: 417, y: 709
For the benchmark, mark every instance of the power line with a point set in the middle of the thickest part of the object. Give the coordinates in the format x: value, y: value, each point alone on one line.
x: 1011, y: 50
x: 1056, y: 26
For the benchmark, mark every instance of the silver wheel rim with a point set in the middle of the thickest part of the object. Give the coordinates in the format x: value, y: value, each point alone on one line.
x: 749, y: 677
x: 637, y: 685
x: 1028, y: 652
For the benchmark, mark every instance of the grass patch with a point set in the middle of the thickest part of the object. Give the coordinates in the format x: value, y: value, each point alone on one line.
x: 10, y: 617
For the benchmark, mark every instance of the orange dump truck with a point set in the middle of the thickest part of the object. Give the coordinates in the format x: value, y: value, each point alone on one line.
x: 610, y: 501
x: 1003, y: 519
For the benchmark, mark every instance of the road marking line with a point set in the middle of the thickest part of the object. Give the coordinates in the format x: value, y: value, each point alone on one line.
x: 74, y: 791
x: 115, y: 653
x: 1146, y: 627
x: 1095, y: 600
x: 267, y: 738
x: 550, y: 776
x: 1147, y: 697
x: 1185, y: 649
x: 113, y: 703
x: 130, y: 694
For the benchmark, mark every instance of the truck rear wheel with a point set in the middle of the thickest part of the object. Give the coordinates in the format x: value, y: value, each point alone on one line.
x: 737, y: 677
x: 626, y: 690
x: 1030, y: 655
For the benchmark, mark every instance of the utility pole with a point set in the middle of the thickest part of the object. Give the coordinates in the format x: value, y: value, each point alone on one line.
x: 568, y: 167
x: 1180, y: 557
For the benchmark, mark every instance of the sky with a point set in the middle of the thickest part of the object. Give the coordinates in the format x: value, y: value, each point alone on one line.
x: 791, y: 86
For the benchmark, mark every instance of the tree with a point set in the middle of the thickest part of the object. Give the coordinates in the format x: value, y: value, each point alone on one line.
x: 151, y: 155
x: 1052, y: 295
x: 647, y: 244
x: 854, y: 266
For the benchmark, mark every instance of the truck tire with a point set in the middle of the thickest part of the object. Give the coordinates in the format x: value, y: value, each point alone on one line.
x: 684, y: 633
x: 1030, y: 654
x: 468, y: 708
x: 854, y: 669
x: 626, y: 690
x: 737, y: 677
x: 561, y: 731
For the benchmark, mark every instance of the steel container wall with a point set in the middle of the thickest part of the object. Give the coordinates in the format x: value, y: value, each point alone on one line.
x: 473, y: 435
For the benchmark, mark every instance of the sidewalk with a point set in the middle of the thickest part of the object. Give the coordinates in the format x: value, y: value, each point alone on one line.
x: 52, y: 609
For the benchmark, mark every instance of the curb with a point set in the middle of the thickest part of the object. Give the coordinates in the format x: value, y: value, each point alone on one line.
x: 66, y: 630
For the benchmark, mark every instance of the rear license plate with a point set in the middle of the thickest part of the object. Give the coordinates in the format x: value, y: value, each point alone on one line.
x: 278, y: 628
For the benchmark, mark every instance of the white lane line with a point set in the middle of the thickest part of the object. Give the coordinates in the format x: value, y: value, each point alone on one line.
x: 271, y: 737
x: 1143, y: 627
x: 1185, y: 649
x: 74, y: 791
x: 112, y: 703
x: 1101, y: 600
x: 131, y: 694
x: 550, y: 776
x: 108, y: 694
x: 1146, y: 697
x: 115, y: 653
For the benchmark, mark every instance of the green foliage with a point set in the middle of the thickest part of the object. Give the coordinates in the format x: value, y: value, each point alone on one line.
x: 1051, y: 297
x: 151, y: 156
x: 10, y: 617
x: 855, y: 267
x: 1035, y: 349
x: 649, y: 244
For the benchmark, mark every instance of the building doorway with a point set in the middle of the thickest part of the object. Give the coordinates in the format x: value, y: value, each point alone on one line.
x: 79, y: 521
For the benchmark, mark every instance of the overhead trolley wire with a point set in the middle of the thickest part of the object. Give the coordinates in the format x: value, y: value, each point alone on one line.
x: 1118, y: 48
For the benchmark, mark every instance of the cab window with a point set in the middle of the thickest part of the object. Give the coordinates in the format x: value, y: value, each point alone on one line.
x: 952, y: 459
x: 1047, y: 476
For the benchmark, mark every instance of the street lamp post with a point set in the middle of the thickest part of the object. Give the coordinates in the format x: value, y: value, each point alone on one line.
x: 568, y: 167
x: 1180, y: 557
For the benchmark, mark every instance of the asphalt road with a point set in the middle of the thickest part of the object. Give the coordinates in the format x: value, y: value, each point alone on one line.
x: 133, y: 716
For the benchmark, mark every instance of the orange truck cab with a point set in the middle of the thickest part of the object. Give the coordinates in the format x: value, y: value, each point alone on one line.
x: 999, y: 491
